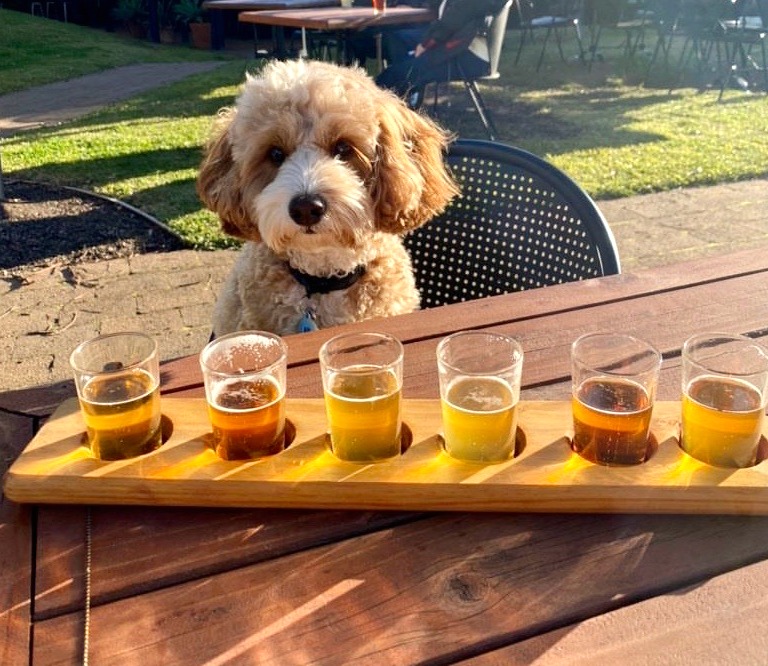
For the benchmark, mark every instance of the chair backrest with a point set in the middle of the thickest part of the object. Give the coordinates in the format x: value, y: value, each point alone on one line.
x: 519, y: 223
x: 497, y: 30
x: 530, y: 10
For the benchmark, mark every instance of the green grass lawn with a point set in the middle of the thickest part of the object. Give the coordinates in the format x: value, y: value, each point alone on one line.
x: 34, y: 51
x: 613, y: 135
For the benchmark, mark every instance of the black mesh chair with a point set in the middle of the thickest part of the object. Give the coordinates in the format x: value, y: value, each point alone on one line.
x: 519, y: 223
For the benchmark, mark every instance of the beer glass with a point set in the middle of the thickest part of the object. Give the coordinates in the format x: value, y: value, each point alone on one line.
x: 245, y: 379
x: 362, y: 382
x: 614, y: 379
x: 479, y: 393
x: 379, y: 6
x: 725, y: 384
x: 118, y: 385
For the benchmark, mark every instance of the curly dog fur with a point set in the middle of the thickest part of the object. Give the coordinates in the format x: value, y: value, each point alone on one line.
x: 322, y: 173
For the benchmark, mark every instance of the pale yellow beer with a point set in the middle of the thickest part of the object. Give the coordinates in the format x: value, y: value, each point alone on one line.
x: 122, y: 414
x: 479, y: 419
x: 722, y: 421
x: 363, y: 405
x: 247, y: 418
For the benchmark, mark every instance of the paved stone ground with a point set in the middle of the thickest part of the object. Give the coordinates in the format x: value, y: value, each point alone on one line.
x: 171, y: 295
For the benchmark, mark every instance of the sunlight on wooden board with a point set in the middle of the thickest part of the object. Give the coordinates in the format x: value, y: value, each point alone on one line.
x: 545, y: 476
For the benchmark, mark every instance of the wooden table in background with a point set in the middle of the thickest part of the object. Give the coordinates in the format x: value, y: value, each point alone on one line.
x: 217, y: 8
x: 338, y: 20
x: 220, y: 586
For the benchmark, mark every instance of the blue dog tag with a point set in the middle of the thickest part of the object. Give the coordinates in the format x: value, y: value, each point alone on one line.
x: 307, y: 322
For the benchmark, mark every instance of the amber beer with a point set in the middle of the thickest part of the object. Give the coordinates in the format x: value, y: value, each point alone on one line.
x: 122, y: 414
x: 611, y: 418
x: 379, y: 6
x: 363, y: 404
x: 247, y: 418
x: 479, y: 419
x: 722, y: 421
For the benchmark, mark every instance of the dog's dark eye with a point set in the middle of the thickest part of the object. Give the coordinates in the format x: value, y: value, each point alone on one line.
x: 276, y: 155
x: 342, y: 149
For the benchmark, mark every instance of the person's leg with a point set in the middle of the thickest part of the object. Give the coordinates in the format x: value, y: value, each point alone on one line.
x: 439, y: 69
x: 397, y: 77
x: 361, y: 46
x: 399, y: 43
x: 409, y: 77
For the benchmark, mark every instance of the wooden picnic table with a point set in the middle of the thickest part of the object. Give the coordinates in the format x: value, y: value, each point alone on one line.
x: 171, y: 585
x: 339, y: 20
x: 217, y: 9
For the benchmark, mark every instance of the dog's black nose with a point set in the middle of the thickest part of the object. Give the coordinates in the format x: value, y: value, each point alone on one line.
x: 307, y: 209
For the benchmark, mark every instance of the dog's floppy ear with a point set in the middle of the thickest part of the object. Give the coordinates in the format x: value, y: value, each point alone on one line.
x: 217, y: 181
x: 411, y: 183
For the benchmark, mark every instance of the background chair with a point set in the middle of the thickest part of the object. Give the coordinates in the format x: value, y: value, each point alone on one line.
x: 496, y: 30
x: 745, y: 29
x: 519, y: 223
x: 633, y: 19
x: 553, y: 17
x: 720, y: 39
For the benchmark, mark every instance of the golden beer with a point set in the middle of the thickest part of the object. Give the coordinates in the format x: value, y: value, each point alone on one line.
x: 247, y: 418
x: 722, y: 421
x: 363, y: 404
x: 122, y: 414
x: 611, y: 418
x: 479, y: 419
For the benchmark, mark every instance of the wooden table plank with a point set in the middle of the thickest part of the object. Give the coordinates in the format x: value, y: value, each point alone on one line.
x: 439, y: 589
x: 216, y: 8
x: 341, y: 18
x: 15, y: 582
x: 139, y: 549
x: 720, y: 621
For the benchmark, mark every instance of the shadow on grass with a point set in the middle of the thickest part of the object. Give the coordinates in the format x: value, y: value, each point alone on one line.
x: 580, y: 120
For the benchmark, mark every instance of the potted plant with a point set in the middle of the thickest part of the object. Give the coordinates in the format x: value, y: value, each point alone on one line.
x: 132, y: 15
x: 191, y: 14
x: 168, y: 20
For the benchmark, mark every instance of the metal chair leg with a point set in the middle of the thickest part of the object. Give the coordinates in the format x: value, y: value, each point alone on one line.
x: 477, y: 99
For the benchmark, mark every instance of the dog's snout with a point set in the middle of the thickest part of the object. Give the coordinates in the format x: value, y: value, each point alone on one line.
x: 307, y: 210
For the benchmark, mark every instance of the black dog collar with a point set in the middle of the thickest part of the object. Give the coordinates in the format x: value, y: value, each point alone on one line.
x: 324, y: 285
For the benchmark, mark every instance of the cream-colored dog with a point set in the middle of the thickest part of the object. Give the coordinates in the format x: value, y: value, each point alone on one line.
x: 321, y: 172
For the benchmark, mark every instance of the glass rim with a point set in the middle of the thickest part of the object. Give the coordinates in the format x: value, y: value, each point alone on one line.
x: 655, y: 354
x: 207, y: 350
x: 685, y: 353
x: 441, y: 346
x: 105, y: 336
x: 323, y: 354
